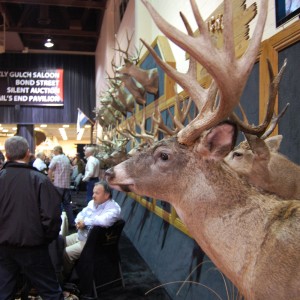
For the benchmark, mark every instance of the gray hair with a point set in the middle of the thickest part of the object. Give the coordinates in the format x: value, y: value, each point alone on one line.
x: 40, y: 154
x: 106, y: 187
x: 58, y: 149
x: 16, y: 147
x: 90, y: 150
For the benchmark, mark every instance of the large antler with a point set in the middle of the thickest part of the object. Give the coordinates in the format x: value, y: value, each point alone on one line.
x: 144, y: 135
x: 181, y: 113
x: 270, y: 121
x: 126, y: 52
x: 229, y: 73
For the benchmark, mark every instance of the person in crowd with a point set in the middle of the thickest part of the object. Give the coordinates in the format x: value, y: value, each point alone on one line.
x: 2, y: 160
x: 31, y: 159
x: 39, y: 162
x: 30, y: 213
x: 78, y: 166
x: 101, y: 211
x: 47, y: 161
x: 91, y: 174
x: 60, y: 170
x: 79, y: 163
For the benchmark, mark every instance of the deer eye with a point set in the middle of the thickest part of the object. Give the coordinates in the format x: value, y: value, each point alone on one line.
x: 236, y: 154
x: 164, y: 156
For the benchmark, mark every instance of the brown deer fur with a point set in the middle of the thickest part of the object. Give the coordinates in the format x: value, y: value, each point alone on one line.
x: 252, y: 238
x: 264, y: 167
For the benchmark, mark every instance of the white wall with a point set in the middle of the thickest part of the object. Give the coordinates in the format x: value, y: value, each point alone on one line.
x: 105, y: 52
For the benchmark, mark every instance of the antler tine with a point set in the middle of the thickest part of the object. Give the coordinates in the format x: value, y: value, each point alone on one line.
x: 178, y: 118
x: 193, y: 63
x: 220, y: 63
x: 142, y: 124
x: 128, y: 45
x: 188, y: 81
x: 143, y: 134
x: 274, y: 122
x: 211, y: 103
x: 260, y: 129
x: 156, y: 117
x: 135, y: 59
x: 181, y: 113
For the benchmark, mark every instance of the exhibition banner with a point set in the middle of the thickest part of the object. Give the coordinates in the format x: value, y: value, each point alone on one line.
x: 32, y: 87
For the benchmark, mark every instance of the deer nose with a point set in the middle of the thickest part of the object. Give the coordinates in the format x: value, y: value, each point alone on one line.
x: 109, y: 173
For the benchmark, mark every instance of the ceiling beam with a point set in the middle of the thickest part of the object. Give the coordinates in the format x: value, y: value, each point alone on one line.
x: 8, y: 19
x: 52, y: 32
x: 65, y: 3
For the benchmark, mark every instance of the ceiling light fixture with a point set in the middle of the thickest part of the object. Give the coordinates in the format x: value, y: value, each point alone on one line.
x: 63, y: 133
x: 49, y: 43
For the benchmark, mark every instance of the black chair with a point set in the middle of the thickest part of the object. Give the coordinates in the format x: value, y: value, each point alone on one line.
x: 99, y: 264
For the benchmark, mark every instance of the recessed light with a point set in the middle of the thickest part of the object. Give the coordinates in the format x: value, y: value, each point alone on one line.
x: 49, y: 43
x: 63, y: 133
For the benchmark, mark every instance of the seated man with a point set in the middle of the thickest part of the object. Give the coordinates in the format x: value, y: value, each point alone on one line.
x: 101, y: 211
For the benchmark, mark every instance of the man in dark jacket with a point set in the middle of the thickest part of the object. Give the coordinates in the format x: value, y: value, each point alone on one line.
x: 30, y: 215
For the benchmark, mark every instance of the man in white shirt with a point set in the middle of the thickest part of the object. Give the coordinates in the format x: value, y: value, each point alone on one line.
x: 91, y: 175
x: 101, y: 211
x: 39, y: 162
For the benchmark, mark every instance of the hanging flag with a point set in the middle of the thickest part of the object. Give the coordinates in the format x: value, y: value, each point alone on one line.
x: 81, y: 120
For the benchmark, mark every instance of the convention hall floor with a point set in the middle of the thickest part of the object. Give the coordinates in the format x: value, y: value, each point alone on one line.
x: 138, y: 278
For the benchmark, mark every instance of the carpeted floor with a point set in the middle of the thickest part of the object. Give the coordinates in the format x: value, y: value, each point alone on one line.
x: 138, y: 278
x: 140, y: 282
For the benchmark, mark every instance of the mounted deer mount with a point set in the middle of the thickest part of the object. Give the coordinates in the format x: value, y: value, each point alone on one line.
x: 148, y: 79
x: 252, y: 237
x: 113, y: 148
x: 134, y: 87
x: 123, y: 95
x: 260, y: 163
x: 107, y: 115
x: 109, y: 98
x: 257, y: 159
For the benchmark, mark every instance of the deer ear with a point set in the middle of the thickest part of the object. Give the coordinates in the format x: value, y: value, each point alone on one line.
x: 218, y: 142
x: 274, y: 142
